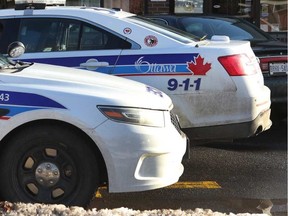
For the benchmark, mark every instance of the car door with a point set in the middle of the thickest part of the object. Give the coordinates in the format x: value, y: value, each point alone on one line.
x: 69, y: 42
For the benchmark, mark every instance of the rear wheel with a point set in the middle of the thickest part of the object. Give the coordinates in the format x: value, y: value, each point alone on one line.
x: 48, y: 164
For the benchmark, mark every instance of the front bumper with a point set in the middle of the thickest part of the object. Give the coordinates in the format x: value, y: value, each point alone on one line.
x: 141, y: 158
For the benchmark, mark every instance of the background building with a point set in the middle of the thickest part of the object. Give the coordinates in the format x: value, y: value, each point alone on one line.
x: 269, y: 15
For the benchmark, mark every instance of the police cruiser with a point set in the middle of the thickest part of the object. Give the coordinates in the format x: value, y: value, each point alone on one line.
x: 216, y: 85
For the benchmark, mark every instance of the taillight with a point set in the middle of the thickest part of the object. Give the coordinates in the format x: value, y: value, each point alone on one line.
x: 239, y: 65
x: 264, y: 67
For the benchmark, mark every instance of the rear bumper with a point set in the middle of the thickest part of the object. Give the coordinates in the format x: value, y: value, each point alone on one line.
x: 231, y: 131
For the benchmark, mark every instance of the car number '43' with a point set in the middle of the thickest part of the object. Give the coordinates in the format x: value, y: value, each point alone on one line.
x: 4, y: 97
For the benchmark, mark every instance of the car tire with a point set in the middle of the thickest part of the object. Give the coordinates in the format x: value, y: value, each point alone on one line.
x: 48, y: 164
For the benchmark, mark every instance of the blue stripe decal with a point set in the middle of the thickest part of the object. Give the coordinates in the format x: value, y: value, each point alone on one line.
x: 13, y: 103
x: 131, y: 64
x: 27, y: 99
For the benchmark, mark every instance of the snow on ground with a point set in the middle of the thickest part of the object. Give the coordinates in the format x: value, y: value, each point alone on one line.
x: 21, y: 209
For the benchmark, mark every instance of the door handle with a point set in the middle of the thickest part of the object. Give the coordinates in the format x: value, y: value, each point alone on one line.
x: 93, y: 64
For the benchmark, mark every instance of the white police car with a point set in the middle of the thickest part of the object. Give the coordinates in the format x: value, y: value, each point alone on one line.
x: 64, y: 132
x: 216, y: 85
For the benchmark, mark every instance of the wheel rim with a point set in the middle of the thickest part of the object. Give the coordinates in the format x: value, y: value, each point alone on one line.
x: 47, y: 175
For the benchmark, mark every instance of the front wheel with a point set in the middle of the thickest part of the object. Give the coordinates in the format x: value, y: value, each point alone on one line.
x: 48, y: 164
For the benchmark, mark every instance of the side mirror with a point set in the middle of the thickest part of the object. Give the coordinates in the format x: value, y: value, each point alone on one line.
x: 15, y: 49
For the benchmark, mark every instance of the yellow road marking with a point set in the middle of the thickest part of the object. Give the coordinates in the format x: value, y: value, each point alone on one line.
x: 179, y: 185
x: 199, y: 184
x: 98, y: 194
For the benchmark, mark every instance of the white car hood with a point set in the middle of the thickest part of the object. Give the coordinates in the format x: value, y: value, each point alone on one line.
x: 107, y: 88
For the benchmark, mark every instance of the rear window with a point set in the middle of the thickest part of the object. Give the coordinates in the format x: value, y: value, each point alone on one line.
x: 235, y: 29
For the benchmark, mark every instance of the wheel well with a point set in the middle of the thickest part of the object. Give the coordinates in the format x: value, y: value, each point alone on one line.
x: 92, y: 146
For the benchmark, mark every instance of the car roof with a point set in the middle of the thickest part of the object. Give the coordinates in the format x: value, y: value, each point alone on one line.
x: 63, y: 10
x: 112, y: 20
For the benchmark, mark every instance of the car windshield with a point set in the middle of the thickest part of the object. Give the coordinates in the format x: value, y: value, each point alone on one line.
x: 234, y: 28
x: 174, y: 33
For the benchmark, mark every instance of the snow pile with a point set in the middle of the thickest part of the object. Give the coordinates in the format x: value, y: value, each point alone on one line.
x: 21, y: 209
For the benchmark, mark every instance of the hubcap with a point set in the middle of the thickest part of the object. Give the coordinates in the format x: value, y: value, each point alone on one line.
x: 47, y: 174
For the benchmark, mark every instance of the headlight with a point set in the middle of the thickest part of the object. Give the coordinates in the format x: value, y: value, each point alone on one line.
x: 153, y: 118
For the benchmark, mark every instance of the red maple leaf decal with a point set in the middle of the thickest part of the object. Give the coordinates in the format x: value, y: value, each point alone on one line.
x: 197, y: 66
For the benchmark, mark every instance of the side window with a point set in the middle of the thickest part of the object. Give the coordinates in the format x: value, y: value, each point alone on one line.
x: 94, y: 38
x: 54, y: 34
x: 72, y: 36
x: 46, y: 35
x: 31, y: 34
x: 8, y: 33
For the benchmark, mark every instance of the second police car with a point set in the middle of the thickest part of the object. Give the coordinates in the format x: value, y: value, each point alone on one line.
x: 216, y: 85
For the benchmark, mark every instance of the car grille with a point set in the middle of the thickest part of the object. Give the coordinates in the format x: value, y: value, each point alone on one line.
x: 175, y: 122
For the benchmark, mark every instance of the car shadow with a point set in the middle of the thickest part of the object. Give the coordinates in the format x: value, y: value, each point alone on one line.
x: 275, y: 139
